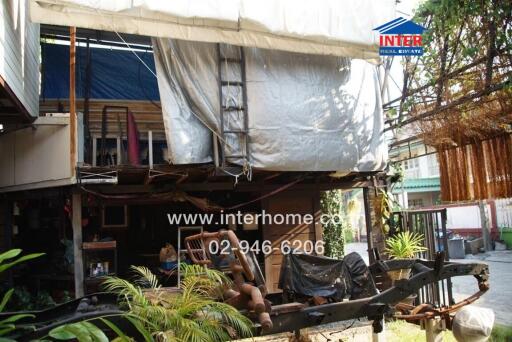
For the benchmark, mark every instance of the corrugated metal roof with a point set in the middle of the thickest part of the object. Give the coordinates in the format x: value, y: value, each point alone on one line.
x: 419, y: 185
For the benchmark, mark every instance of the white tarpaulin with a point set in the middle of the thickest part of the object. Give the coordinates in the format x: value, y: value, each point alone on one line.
x: 305, y: 112
x: 326, y: 27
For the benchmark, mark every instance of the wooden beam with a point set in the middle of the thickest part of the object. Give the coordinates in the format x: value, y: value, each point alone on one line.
x: 72, y: 99
x: 368, y: 222
x: 77, y: 244
x: 220, y: 186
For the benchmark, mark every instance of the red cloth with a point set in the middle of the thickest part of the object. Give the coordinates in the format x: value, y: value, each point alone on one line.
x: 133, y: 140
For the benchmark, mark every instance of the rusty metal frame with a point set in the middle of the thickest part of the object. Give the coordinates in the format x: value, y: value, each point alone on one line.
x: 375, y: 307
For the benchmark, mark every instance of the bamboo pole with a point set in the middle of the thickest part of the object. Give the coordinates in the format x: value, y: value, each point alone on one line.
x: 72, y: 99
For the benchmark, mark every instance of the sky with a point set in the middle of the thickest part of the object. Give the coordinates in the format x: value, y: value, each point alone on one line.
x: 405, y: 8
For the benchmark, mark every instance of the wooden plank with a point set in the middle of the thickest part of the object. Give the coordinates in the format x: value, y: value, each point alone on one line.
x: 147, y: 116
x: 77, y: 244
x: 288, y: 202
x: 99, y: 245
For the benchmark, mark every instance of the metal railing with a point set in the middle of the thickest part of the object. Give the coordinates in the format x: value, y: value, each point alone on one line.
x: 431, y: 224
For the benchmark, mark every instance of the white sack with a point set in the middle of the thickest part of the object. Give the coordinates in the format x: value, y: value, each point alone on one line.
x: 328, y: 27
x: 306, y: 112
x: 473, y: 324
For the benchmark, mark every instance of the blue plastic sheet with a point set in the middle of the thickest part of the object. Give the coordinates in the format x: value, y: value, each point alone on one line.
x: 115, y: 74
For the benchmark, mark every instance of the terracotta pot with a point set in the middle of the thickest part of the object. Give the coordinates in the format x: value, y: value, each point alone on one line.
x: 402, y: 273
x: 409, y: 300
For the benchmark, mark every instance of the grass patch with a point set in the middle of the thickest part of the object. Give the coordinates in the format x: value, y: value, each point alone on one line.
x: 501, y: 333
x: 398, y: 331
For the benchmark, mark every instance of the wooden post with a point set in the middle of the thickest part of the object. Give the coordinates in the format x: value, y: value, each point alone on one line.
x: 94, y: 150
x: 433, y: 329
x: 486, y: 234
x: 368, y: 223
x: 150, y: 149
x: 72, y: 100
x: 380, y: 337
x: 215, y: 150
x: 119, y: 147
x: 77, y: 244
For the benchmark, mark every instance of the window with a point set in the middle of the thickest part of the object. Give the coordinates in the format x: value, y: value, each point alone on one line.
x: 412, y: 203
x: 411, y: 164
x: 433, y: 165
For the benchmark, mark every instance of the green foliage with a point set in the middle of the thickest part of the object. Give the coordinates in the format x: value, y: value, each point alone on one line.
x: 23, y: 300
x: 9, y: 259
x: 194, y: 314
x: 396, y: 174
x: 82, y: 331
x: 501, y: 333
x: 404, y: 245
x: 348, y: 235
x: 333, y: 228
x: 383, y: 209
x: 13, y: 253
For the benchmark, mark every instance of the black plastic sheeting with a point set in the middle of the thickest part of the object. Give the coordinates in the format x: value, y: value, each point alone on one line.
x: 310, y: 275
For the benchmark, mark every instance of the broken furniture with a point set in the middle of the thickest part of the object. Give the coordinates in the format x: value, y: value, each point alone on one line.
x: 353, y: 293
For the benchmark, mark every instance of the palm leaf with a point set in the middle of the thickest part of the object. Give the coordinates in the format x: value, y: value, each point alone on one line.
x: 140, y: 328
x: 5, y: 299
x: 192, y: 315
x: 404, y: 245
x: 116, y: 329
x: 145, y: 277
x: 12, y: 253
x: 24, y: 258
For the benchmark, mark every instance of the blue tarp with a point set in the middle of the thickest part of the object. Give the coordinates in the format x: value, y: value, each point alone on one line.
x: 116, y: 74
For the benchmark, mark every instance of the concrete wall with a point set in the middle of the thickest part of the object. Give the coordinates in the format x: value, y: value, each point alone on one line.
x: 19, y: 53
x: 36, y: 157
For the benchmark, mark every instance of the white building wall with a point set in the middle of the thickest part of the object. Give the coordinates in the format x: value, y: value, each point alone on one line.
x: 19, y: 53
x: 504, y: 213
x: 421, y: 167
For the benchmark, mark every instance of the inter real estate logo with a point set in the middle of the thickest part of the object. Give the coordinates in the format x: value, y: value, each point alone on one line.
x: 400, y: 37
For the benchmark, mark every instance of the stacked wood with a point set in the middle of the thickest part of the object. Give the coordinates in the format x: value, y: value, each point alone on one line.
x: 148, y: 115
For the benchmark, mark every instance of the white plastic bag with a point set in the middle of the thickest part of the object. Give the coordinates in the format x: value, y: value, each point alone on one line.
x: 472, y: 324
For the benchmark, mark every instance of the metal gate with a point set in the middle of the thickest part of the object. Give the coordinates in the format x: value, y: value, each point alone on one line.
x: 432, y: 225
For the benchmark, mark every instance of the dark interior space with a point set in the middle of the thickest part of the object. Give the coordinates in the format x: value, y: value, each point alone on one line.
x: 115, y: 237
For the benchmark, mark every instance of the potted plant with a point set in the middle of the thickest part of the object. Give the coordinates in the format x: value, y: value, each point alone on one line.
x: 404, y: 245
